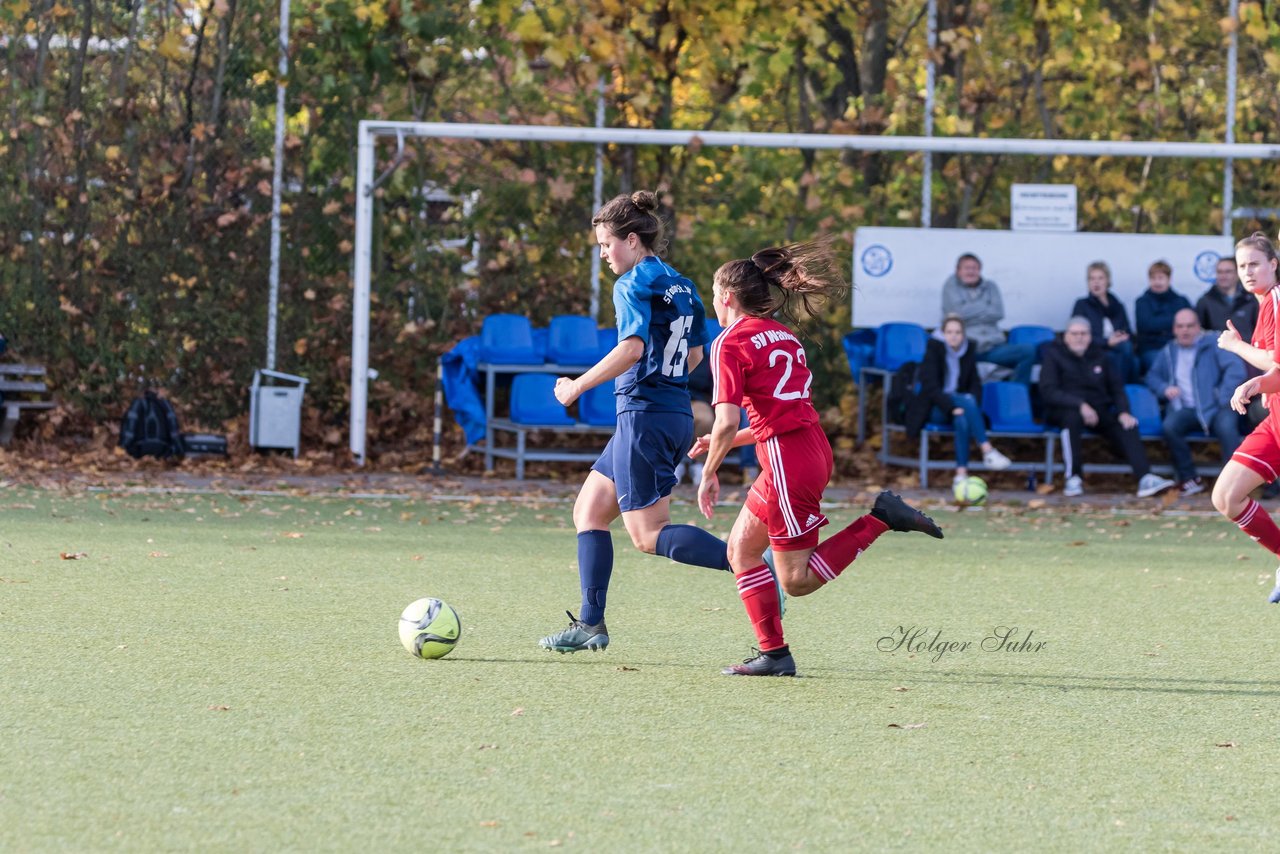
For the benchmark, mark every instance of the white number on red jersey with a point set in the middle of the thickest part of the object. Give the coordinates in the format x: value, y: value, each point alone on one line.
x: 779, y: 393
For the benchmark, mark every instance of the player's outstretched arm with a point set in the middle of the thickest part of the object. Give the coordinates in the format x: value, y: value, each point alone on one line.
x: 723, y: 432
x: 613, y: 365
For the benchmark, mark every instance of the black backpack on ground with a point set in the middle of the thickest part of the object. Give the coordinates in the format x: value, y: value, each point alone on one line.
x: 150, y: 428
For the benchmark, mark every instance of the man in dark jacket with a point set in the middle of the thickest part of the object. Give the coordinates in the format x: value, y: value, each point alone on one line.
x: 1227, y: 300
x: 1195, y: 379
x: 1082, y: 390
x: 1153, y: 314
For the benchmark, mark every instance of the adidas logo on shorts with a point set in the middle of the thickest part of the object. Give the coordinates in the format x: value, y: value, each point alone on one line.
x: 812, y: 519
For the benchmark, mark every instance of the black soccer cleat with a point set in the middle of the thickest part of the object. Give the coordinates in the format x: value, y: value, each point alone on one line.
x: 763, y: 665
x: 901, y: 516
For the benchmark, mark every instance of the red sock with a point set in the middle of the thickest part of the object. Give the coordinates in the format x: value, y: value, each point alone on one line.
x: 1258, y: 524
x: 842, y: 548
x: 758, y: 592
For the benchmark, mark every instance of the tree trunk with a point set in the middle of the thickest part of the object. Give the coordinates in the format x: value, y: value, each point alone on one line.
x: 75, y: 102
x: 35, y: 147
x: 188, y: 125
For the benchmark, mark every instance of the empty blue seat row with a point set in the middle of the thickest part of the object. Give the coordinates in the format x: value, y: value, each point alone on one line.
x: 892, y: 345
x: 533, y: 402
x: 570, y: 339
x: 510, y: 339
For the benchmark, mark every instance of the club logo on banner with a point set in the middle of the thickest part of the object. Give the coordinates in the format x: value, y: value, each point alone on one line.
x: 1206, y: 267
x: 877, y: 260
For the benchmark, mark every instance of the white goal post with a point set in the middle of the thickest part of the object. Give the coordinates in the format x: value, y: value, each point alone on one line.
x: 371, y: 130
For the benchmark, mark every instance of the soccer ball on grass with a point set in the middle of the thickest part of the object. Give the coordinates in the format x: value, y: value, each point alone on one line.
x: 971, y: 490
x: 430, y: 628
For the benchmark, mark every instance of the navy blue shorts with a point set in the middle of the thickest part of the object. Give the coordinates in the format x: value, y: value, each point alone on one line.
x: 642, y: 456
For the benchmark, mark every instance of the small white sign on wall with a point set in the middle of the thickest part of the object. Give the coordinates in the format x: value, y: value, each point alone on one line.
x: 1043, y: 207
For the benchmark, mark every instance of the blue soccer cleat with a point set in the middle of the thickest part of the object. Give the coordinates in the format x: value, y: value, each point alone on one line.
x: 577, y: 637
x: 1274, y: 598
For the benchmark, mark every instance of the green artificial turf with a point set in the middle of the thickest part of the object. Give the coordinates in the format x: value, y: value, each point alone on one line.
x: 224, y: 673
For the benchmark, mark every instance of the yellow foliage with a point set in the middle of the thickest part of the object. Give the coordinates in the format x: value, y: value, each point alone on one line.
x: 170, y: 46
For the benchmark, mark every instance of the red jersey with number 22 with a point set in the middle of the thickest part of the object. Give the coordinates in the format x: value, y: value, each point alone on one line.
x: 760, y: 364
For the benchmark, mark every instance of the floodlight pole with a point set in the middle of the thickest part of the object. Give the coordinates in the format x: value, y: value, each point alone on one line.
x: 363, y: 261
x: 273, y: 271
x: 930, y: 75
x: 1228, y: 168
x: 597, y: 197
x: 370, y: 129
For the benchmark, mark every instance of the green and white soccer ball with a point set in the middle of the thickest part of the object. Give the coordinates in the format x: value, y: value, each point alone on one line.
x: 971, y: 490
x: 430, y: 628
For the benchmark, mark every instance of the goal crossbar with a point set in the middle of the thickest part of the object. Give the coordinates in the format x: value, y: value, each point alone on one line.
x: 371, y: 130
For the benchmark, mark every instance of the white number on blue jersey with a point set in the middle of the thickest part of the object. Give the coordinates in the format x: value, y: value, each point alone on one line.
x: 676, y: 352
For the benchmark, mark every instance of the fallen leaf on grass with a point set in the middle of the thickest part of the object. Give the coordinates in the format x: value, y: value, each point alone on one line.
x: 487, y: 747
x: 902, y: 688
x: 517, y: 712
x: 488, y: 824
x: 292, y: 535
x: 158, y: 554
x: 624, y: 667
x: 73, y: 555
x: 905, y: 726
x: 1226, y: 744
x: 219, y: 708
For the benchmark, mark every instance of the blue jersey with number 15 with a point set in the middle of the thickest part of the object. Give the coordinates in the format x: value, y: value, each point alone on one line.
x: 661, y: 307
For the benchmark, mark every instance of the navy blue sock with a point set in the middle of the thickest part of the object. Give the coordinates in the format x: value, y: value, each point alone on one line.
x: 595, y: 565
x: 692, y: 545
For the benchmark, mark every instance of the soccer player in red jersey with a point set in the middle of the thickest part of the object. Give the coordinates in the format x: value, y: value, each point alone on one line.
x: 1257, y: 460
x: 758, y: 362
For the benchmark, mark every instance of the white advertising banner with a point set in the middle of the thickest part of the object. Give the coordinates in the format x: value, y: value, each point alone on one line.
x: 898, y: 272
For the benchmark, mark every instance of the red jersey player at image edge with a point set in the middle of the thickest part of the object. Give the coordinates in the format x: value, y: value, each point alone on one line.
x: 1257, y: 459
x: 759, y: 363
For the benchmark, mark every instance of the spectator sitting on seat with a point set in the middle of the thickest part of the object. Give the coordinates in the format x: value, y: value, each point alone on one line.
x: 1153, y: 315
x: 949, y: 394
x: 1081, y: 390
x: 1108, y: 320
x: 1195, y: 379
x: 978, y: 303
x: 1227, y: 300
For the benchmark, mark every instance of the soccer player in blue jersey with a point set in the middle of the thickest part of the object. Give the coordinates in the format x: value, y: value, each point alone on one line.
x: 661, y: 335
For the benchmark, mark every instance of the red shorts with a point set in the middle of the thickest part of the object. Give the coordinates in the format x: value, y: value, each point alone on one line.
x: 787, y: 496
x: 1260, y: 450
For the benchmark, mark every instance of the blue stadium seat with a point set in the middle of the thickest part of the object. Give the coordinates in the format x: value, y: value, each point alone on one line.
x: 860, y: 348
x: 1008, y: 408
x: 606, y: 340
x: 1031, y: 333
x: 899, y: 343
x: 533, y: 401
x: 1144, y: 406
x: 572, y: 340
x: 598, y: 406
x: 507, y: 339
